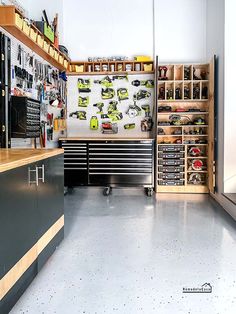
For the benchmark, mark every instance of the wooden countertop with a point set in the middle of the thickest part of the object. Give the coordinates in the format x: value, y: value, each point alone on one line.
x: 103, y: 139
x: 14, y: 158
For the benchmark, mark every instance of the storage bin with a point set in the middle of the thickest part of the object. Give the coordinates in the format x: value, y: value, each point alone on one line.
x: 171, y: 169
x: 171, y: 148
x: 171, y: 182
x: 33, y: 34
x: 45, y: 46
x: 18, y: 21
x: 51, y: 51
x: 171, y: 176
x: 56, y: 55
x: 147, y: 67
x: 40, y: 40
x: 66, y: 63
x: 61, y: 59
x: 79, y: 68
x: 26, y: 28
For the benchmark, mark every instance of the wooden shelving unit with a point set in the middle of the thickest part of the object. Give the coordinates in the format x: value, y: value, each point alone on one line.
x: 185, y: 128
x: 14, y: 23
x: 111, y: 68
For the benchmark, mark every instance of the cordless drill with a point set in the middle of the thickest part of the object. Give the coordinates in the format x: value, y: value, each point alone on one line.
x: 146, y: 109
x: 99, y: 105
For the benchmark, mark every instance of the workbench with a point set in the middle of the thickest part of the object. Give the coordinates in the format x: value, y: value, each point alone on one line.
x: 31, y: 216
x: 109, y: 162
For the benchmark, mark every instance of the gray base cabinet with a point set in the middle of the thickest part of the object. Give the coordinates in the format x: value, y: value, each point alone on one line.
x: 27, y: 211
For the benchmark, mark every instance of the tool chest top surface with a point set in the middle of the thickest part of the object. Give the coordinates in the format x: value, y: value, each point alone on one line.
x: 103, y: 139
x: 13, y: 158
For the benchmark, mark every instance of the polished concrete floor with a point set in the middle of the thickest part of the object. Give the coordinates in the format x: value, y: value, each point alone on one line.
x: 128, y: 254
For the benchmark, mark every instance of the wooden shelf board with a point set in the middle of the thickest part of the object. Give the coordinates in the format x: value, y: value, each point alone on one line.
x: 183, y: 126
x: 200, y: 157
x: 20, y: 35
x: 170, y: 135
x: 185, y: 113
x: 188, y: 135
x: 110, y: 73
x: 197, y: 171
x: 182, y: 100
x: 182, y: 81
x: 183, y: 189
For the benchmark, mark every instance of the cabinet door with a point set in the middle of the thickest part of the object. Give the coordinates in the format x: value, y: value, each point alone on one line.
x: 50, y: 204
x: 18, y: 216
x: 50, y: 196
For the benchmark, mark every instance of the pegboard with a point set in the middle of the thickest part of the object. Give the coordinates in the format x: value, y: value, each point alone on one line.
x: 81, y: 128
x: 33, y: 92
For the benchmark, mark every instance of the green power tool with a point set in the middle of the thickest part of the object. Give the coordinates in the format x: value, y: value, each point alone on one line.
x: 120, y: 77
x: 81, y: 115
x: 148, y: 83
x: 147, y: 110
x: 129, y: 126
x: 142, y: 94
x: 112, y: 106
x: 146, y: 123
x: 122, y: 94
x: 83, y: 101
x: 94, y: 123
x: 106, y: 82
x: 108, y: 93
x: 84, y: 85
x: 99, y: 105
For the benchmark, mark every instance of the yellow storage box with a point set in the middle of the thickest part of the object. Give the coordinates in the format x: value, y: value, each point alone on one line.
x: 142, y: 58
x: 26, y: 28
x: 18, y: 21
x: 33, y: 34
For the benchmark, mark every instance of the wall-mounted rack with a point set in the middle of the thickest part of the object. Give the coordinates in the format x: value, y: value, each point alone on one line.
x: 14, y: 23
x: 111, y: 67
x: 185, y: 128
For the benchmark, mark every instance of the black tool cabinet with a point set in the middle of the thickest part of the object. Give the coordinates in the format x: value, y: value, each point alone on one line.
x: 109, y: 163
x: 25, y: 117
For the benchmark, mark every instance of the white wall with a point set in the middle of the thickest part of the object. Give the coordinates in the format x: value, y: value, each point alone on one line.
x: 230, y: 106
x: 108, y: 27
x: 181, y: 30
x: 125, y: 27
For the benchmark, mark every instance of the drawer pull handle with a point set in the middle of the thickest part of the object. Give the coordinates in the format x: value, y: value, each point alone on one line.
x: 36, y: 176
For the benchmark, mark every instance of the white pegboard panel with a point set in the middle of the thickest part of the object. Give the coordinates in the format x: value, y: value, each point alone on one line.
x: 81, y: 128
x: 32, y: 92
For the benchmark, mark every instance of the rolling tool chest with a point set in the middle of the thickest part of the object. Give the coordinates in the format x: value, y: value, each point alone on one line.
x: 25, y: 117
x: 109, y: 163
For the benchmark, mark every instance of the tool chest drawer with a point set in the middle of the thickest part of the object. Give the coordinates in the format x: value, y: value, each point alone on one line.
x: 75, y: 163
x: 171, y: 148
x: 171, y: 162
x: 171, y: 176
x: 171, y: 155
x: 128, y: 163
x: 170, y: 169
x: 171, y: 182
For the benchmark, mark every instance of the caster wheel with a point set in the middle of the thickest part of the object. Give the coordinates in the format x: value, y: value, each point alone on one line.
x: 149, y: 192
x: 107, y: 191
x: 70, y: 190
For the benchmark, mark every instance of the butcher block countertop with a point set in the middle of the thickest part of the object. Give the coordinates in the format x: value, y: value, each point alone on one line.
x: 14, y: 158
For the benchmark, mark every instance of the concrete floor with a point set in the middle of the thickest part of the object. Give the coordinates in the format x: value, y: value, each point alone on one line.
x: 128, y: 254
